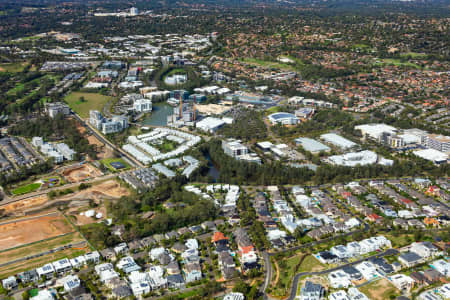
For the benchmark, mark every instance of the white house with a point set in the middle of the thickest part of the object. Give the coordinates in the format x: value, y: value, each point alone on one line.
x: 442, y: 266
x: 339, y: 295
x: 425, y: 249
x: 92, y: 257
x: 140, y: 288
x: 402, y: 282
x: 46, y: 270
x: 340, y: 251
x: 78, y: 262
x: 62, y: 266
x: 71, y: 282
x: 367, y: 269
x: 339, y: 279
x: 355, y: 294
x: 444, y: 291
x: 156, y: 279
x: 354, y: 248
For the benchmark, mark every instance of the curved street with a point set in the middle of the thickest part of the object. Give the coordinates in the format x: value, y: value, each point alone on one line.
x: 294, y: 287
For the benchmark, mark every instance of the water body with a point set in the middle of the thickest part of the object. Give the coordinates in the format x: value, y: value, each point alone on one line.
x: 213, y: 171
x: 159, y: 114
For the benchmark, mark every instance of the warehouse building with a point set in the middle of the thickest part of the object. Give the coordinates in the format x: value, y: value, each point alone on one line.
x: 338, y: 141
x: 435, y: 156
x: 210, y: 124
x: 311, y: 145
x: 375, y: 131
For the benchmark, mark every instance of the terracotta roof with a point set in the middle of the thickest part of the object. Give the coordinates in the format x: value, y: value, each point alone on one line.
x: 218, y: 236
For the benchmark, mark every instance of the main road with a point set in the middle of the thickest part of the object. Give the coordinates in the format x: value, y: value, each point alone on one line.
x: 105, y: 141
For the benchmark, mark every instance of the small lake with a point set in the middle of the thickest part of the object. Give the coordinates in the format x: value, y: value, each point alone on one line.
x: 159, y: 114
x: 213, y: 171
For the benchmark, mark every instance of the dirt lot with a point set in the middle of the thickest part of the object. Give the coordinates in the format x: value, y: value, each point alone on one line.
x: 83, y: 172
x: 81, y: 220
x: 107, y: 189
x: 24, y: 204
x: 25, y: 231
x: 379, y: 290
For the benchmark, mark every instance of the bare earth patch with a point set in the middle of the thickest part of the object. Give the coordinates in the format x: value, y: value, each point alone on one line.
x: 24, y: 231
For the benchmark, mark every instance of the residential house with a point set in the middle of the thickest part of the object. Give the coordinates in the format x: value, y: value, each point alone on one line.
x: 28, y: 276
x: 140, y: 288
x: 127, y: 265
x: 71, y: 283
x: 92, y: 257
x: 339, y: 295
x: 10, y: 283
x: 62, y: 266
x: 432, y: 276
x: 425, y: 249
x: 311, y: 291
x: 108, y: 254
x: 353, y: 273
x: 175, y: 281
x: 402, y: 282
x: 121, y: 248
x: 355, y: 294
x: 46, y: 270
x: 367, y: 269
x: 339, y: 279
x: 410, y: 259
x: 418, y: 278
x: 442, y: 266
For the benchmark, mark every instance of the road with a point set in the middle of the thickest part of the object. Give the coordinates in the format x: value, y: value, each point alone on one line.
x: 294, y: 287
x: 28, y: 218
x: 102, y: 139
x: 268, y: 267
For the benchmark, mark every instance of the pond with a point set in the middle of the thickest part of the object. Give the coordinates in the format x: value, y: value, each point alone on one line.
x: 159, y: 114
x: 213, y: 171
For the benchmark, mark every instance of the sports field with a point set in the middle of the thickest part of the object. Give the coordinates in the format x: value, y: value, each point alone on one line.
x: 26, y: 188
x: 93, y: 101
x: 107, y: 162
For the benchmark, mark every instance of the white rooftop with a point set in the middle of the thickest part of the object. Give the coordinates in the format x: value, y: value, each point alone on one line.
x: 432, y: 155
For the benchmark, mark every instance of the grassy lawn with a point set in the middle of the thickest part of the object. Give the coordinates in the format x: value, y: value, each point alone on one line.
x: 268, y: 64
x: 17, y: 88
x: 400, y: 240
x: 188, y: 294
x: 379, y: 290
x: 38, y: 247
x: 26, y: 188
x: 13, y: 67
x: 107, y: 162
x: 176, y: 71
x: 93, y: 101
x: 310, y: 264
x: 413, y: 55
x: 398, y: 63
x: 39, y: 261
x: 287, y: 269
